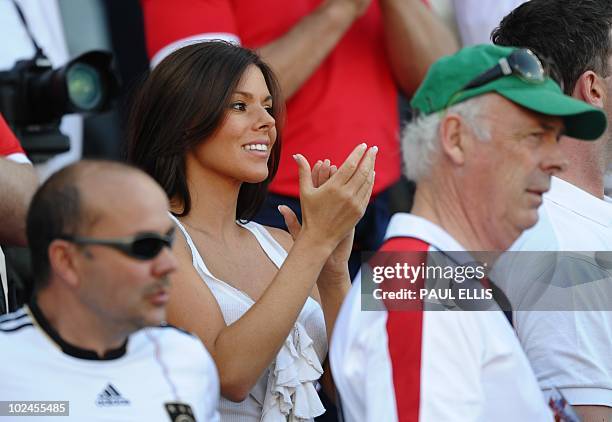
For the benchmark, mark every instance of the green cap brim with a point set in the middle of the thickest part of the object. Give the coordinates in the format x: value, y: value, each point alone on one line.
x: 581, y: 120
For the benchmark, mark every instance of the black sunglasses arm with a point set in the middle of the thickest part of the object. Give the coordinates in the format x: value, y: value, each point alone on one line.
x: 491, y: 74
x: 122, y: 244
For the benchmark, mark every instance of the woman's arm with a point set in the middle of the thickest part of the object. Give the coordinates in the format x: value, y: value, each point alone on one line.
x: 334, y: 280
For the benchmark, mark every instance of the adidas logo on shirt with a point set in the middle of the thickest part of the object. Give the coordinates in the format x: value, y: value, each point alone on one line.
x: 111, y: 397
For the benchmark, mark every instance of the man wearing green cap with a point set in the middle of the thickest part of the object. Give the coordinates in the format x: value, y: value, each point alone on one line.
x: 482, y: 149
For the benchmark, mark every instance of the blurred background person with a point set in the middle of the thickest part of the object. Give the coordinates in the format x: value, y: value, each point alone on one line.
x: 18, y: 182
x: 17, y: 185
x: 472, y: 21
x: 101, y: 242
x: 477, y: 18
x: 571, y: 349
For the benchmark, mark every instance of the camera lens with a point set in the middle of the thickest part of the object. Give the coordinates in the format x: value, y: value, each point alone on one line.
x: 84, y: 86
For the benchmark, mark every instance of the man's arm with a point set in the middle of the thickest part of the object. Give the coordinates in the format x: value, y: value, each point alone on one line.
x: 414, y: 36
x: 414, y: 39
x: 297, y: 54
x: 18, y: 181
x: 294, y: 56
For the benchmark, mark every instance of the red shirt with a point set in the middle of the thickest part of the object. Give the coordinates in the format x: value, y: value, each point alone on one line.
x: 9, y: 145
x: 349, y: 99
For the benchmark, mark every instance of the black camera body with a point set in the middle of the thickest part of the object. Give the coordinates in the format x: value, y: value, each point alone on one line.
x: 34, y: 97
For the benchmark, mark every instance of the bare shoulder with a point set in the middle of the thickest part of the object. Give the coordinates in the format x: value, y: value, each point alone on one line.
x: 192, y: 305
x: 281, y: 236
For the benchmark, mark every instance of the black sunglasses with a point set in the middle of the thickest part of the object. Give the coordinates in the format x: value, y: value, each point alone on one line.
x: 142, y: 246
x: 522, y: 63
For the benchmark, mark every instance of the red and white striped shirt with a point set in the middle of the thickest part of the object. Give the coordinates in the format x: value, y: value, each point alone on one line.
x: 430, y: 365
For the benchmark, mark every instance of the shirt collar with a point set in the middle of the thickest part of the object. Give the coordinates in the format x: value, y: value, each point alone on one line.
x: 66, y: 347
x: 578, y: 201
x: 409, y: 225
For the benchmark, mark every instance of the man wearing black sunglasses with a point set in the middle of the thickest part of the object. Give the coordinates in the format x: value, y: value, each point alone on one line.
x: 93, y: 334
x: 569, y: 349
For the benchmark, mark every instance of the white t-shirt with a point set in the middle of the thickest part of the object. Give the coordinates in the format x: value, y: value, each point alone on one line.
x: 572, y: 350
x: 158, y: 365
x: 430, y: 365
x: 476, y: 19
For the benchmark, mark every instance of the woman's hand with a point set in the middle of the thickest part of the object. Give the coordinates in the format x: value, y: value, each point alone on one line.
x: 337, y: 265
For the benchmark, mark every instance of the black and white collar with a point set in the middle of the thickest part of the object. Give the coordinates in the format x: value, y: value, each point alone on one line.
x: 66, y: 347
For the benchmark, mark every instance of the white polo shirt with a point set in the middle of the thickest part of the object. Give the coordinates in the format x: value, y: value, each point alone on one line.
x: 157, y: 366
x: 430, y: 366
x: 571, y: 350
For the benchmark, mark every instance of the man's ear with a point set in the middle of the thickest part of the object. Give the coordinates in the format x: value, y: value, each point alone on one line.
x: 591, y: 89
x: 63, y: 262
x: 453, y: 138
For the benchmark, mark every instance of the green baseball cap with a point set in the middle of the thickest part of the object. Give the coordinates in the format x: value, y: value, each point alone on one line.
x: 446, y: 81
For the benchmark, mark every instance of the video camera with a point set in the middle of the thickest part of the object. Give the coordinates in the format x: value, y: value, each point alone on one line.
x: 34, y: 97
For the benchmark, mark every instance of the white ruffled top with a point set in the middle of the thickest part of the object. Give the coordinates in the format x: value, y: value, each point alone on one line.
x: 286, y: 391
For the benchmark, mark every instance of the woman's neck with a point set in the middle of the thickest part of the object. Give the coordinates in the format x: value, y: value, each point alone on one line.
x: 213, y: 202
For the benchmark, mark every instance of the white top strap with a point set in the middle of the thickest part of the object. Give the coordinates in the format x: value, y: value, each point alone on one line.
x: 198, y: 263
x: 271, y: 247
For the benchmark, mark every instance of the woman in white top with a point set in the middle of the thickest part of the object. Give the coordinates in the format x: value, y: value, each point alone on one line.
x: 204, y: 125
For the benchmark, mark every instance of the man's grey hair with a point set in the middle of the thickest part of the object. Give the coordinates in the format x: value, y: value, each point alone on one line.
x: 420, y: 140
